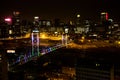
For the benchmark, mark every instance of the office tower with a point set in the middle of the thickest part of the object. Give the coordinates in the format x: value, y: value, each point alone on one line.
x: 16, y: 23
x: 104, y: 16
x: 105, y: 23
x: 78, y: 20
x: 92, y: 70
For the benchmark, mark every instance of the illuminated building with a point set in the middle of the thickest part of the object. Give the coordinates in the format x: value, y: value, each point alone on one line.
x: 105, y: 23
x: 104, y: 16
x: 16, y: 23
x: 94, y: 71
x: 78, y: 28
x: 82, y: 27
x: 36, y: 21
x: 4, y: 29
x: 86, y: 25
x: 45, y: 25
x: 26, y: 26
x: 78, y: 20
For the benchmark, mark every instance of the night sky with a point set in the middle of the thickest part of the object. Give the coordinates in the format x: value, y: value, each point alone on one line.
x: 63, y: 9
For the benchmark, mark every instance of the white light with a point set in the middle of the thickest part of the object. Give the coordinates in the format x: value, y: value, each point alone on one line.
x: 66, y: 30
x: 36, y: 17
x: 18, y: 20
x: 56, y: 32
x: 94, y: 34
x: 97, y: 64
x: 116, y: 25
x: 10, y: 31
x: 103, y: 13
x: 78, y: 16
x: 10, y: 51
x: 35, y: 31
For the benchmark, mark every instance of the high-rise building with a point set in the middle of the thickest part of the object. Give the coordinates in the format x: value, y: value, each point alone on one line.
x: 90, y: 70
x: 78, y: 20
x: 16, y: 23
x: 104, y: 16
x: 45, y: 25
x: 36, y: 21
x: 4, y: 30
x: 105, y: 23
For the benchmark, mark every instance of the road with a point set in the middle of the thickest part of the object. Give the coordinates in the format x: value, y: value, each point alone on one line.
x: 95, y: 44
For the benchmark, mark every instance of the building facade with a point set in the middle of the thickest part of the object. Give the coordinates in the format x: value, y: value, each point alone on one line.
x: 16, y: 23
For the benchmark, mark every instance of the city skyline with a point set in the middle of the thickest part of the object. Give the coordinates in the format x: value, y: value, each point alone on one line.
x: 45, y: 47
x: 66, y: 10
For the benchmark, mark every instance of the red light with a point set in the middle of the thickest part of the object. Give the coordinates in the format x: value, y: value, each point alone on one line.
x: 106, y: 16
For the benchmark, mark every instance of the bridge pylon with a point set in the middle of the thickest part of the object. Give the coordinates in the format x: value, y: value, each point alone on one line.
x: 35, y: 43
x: 64, y: 39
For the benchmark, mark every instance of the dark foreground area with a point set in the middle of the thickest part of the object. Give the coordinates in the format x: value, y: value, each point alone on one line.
x: 72, y: 64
